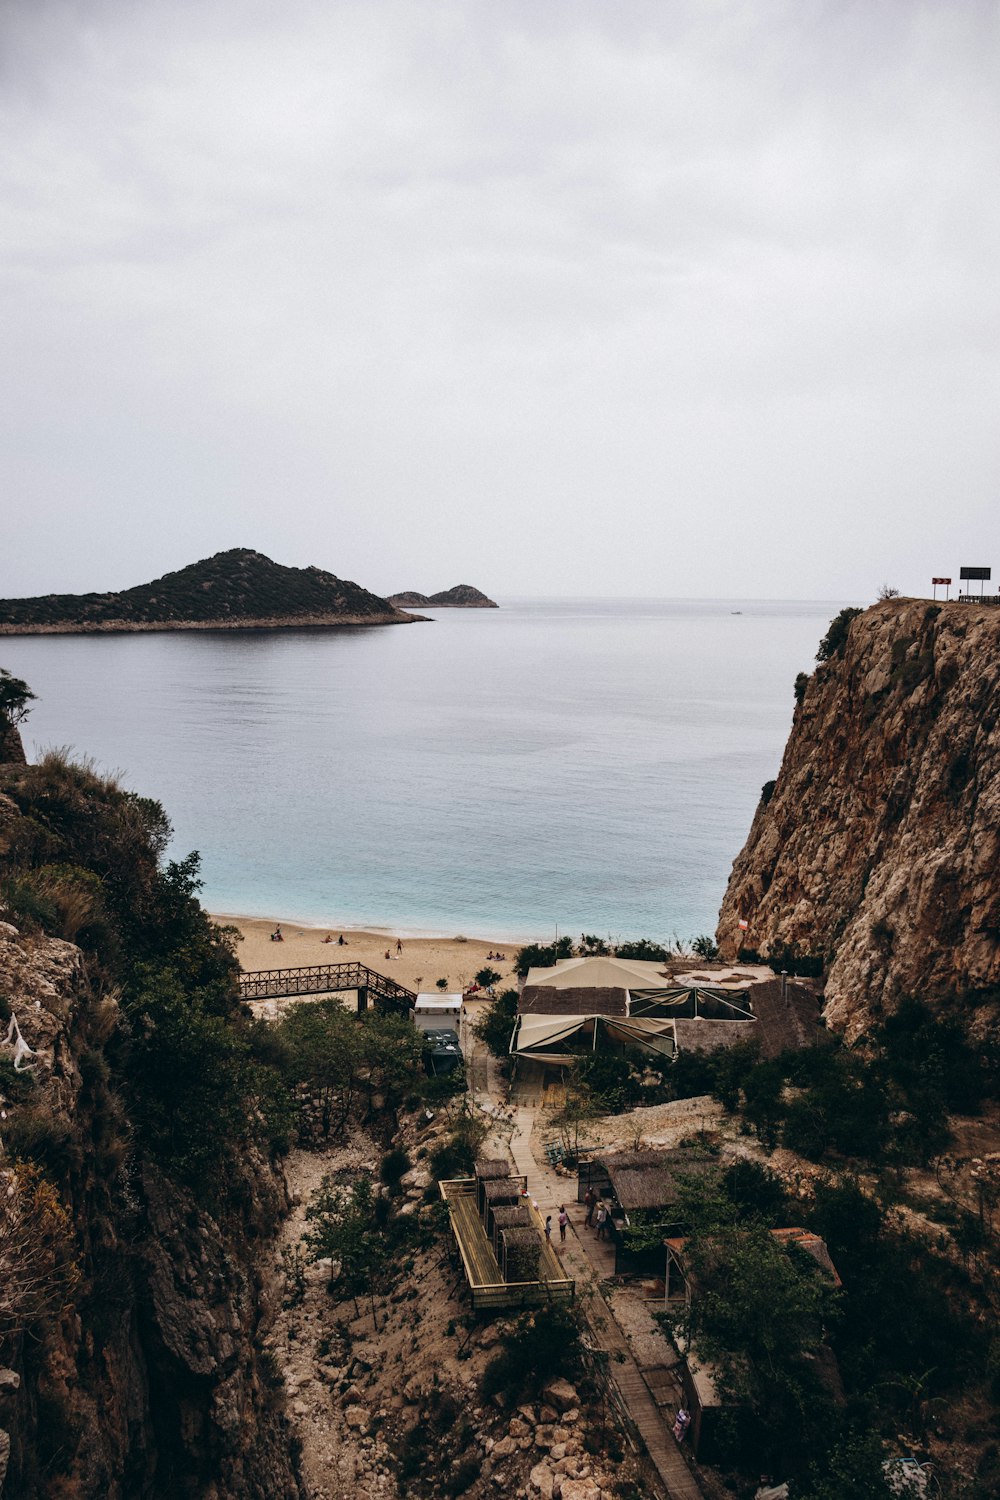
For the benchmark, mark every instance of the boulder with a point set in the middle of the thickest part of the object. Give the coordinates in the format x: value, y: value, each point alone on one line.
x: 356, y: 1418
x: 561, y: 1395
x: 580, y: 1489
x: 542, y: 1481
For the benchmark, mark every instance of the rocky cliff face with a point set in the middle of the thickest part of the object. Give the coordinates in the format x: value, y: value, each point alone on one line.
x: 878, y: 846
x: 144, y: 1376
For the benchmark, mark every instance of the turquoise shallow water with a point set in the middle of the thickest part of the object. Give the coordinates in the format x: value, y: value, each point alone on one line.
x: 591, y: 765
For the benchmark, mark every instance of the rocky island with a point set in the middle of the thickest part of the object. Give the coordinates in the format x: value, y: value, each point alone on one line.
x: 235, y: 590
x: 462, y: 596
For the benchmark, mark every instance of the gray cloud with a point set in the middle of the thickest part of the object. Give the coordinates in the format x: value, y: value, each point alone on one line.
x: 570, y: 298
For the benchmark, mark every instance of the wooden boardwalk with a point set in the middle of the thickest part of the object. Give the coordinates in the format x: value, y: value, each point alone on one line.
x: 482, y: 1270
x: 590, y: 1260
x: 328, y: 979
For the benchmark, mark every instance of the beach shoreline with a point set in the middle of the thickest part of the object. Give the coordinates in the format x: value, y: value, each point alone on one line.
x: 419, y: 963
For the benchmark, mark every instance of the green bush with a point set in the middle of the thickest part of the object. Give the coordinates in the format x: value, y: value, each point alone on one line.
x: 15, y: 1087
x: 542, y: 955
x: 833, y: 643
x: 394, y: 1164
x: 496, y: 1027
x: 642, y: 949
x: 541, y: 1346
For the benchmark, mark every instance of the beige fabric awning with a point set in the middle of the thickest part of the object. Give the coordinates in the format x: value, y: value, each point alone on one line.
x: 537, y: 1036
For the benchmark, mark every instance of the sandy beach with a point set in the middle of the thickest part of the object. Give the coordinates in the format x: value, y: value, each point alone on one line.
x: 419, y: 966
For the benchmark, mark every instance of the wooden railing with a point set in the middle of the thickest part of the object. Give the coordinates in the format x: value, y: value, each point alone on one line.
x: 460, y: 1193
x: 328, y: 979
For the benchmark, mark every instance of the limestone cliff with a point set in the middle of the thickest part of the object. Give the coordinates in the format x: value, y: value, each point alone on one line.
x: 143, y: 1377
x: 877, y: 849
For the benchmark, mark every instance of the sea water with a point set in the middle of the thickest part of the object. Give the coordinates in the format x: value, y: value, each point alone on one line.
x: 572, y: 765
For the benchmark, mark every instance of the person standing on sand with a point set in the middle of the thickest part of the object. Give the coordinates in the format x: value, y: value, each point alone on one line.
x: 399, y: 946
x: 563, y: 1221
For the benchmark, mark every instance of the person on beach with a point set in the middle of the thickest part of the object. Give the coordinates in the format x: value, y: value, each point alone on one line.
x: 399, y: 946
x: 563, y: 1221
x: 277, y: 936
x: 590, y: 1198
x: 328, y: 938
x: 340, y: 941
x: 388, y: 954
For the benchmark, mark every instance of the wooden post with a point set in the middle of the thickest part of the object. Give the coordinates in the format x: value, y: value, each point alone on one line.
x: 362, y: 998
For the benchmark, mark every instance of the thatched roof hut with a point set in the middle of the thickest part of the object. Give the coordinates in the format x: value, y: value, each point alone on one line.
x: 647, y: 1179
x: 489, y: 1169
x: 509, y: 1218
x: 520, y: 1254
x: 505, y: 1193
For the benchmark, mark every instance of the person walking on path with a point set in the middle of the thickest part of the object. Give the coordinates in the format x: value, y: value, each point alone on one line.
x: 601, y: 1221
x: 548, y: 1228
x: 590, y: 1198
x: 563, y: 1221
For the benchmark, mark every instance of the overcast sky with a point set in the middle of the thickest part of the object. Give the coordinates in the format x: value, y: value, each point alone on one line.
x: 552, y: 298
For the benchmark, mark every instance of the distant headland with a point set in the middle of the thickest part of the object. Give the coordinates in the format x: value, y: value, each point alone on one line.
x: 462, y: 596
x: 235, y: 590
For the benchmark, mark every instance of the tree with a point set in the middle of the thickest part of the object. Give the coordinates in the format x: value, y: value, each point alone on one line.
x: 592, y: 946
x: 542, y: 955
x: 643, y: 949
x: 487, y: 978
x: 197, y: 1091
x: 323, y: 1055
x: 705, y: 946
x: 345, y: 1229
x: 758, y: 1312
x: 888, y: 592
x: 496, y: 1027
x: 612, y: 1081
x: 15, y: 697
x: 853, y: 1466
x: 580, y: 1108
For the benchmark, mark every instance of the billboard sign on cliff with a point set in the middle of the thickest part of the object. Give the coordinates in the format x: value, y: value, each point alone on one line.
x: 978, y: 573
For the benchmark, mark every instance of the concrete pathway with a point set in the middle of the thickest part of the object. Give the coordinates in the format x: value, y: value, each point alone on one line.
x: 589, y: 1260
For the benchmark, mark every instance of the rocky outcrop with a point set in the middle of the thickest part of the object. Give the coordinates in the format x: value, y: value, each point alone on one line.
x: 148, y: 1379
x: 462, y: 596
x: 11, y: 746
x: 877, y: 848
